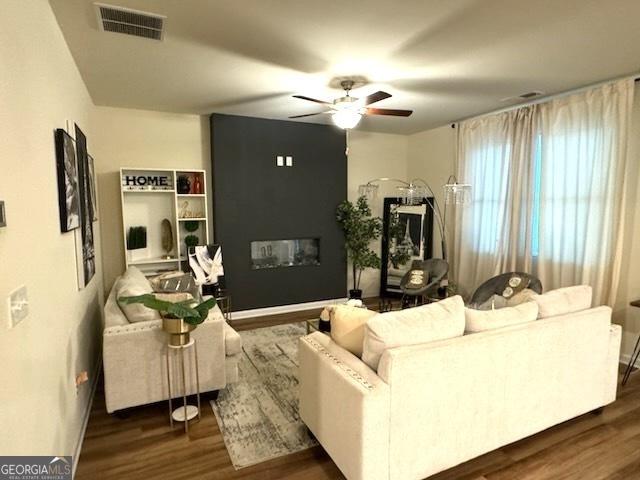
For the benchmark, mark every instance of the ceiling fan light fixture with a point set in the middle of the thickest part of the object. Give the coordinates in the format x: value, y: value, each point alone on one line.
x: 346, y: 118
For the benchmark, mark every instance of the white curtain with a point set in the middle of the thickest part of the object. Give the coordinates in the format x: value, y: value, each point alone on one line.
x: 548, y: 191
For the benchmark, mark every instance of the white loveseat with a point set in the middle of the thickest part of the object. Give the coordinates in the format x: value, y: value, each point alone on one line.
x: 134, y: 362
x: 432, y: 406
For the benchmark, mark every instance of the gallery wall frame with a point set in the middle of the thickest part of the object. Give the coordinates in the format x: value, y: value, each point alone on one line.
x: 68, y: 183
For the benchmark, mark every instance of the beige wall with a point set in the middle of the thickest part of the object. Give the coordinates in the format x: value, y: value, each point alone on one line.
x: 431, y: 157
x: 144, y: 139
x: 40, y: 89
x: 373, y: 155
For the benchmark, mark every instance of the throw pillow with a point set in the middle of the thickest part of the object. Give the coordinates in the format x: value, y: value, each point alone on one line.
x: 135, y: 312
x: 134, y: 274
x: 482, y: 320
x: 521, y: 297
x: 564, y: 300
x: 424, y: 324
x: 347, y: 327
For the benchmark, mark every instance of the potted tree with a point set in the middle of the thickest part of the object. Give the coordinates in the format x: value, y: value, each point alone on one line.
x: 360, y: 229
x: 178, y: 318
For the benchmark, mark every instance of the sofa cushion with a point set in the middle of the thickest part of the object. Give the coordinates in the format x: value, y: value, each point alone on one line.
x: 428, y: 323
x: 347, y: 326
x: 232, y: 341
x: 481, y: 320
x: 135, y: 312
x: 563, y: 300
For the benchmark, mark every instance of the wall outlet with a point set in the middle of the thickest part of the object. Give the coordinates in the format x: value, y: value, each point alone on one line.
x: 280, y: 161
x: 18, y: 303
x: 289, y: 161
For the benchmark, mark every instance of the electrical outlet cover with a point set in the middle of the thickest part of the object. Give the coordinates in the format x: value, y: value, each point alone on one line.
x: 18, y: 305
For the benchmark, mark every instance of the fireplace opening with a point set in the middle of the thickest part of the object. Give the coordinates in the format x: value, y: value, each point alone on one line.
x: 285, y: 253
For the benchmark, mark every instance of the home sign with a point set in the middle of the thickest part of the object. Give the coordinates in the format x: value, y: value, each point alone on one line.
x: 146, y: 182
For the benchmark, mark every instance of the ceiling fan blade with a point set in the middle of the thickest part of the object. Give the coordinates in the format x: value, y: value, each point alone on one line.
x: 307, y: 115
x: 375, y: 97
x: 388, y: 111
x: 302, y: 97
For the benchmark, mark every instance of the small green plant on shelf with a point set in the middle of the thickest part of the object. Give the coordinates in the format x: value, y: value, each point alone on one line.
x: 191, y: 226
x: 191, y: 240
x: 137, y: 238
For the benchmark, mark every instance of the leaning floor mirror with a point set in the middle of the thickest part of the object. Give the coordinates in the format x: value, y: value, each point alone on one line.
x: 407, y: 235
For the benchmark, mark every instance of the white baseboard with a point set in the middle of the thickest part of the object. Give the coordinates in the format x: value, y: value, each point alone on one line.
x: 85, y: 418
x: 296, y: 307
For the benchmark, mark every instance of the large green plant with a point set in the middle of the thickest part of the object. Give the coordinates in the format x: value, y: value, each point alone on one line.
x: 186, y: 310
x: 360, y: 229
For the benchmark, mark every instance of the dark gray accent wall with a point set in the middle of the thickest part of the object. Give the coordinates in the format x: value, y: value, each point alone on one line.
x: 253, y: 199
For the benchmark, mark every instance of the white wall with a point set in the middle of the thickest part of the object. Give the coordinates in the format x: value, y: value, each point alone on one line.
x: 374, y: 155
x: 144, y: 139
x: 40, y: 88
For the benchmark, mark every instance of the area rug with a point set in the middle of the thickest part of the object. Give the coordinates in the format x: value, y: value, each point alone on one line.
x: 258, y: 415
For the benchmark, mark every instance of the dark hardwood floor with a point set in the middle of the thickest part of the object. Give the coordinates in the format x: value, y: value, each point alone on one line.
x: 142, y: 446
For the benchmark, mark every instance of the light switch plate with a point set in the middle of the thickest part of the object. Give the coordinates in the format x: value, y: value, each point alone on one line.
x: 280, y: 161
x: 18, y: 303
x: 289, y: 161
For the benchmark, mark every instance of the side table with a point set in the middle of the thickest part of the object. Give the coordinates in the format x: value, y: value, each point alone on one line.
x: 634, y: 355
x: 185, y: 412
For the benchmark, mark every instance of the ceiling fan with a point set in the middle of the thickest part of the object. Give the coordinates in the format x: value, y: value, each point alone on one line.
x: 347, y: 111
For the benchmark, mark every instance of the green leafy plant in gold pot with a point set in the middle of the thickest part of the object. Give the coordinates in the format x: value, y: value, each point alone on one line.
x: 180, y: 318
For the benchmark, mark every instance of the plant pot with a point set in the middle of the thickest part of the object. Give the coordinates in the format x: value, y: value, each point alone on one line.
x: 355, y: 294
x: 179, y: 331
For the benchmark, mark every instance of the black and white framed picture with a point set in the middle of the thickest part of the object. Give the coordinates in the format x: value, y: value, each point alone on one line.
x: 92, y: 188
x: 68, y: 185
x: 86, y: 210
x: 407, y: 235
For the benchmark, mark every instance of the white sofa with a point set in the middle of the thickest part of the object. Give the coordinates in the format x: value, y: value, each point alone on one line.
x: 432, y: 406
x: 134, y: 362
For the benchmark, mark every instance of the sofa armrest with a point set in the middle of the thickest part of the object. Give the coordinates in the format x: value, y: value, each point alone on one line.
x: 613, y: 359
x: 346, y: 406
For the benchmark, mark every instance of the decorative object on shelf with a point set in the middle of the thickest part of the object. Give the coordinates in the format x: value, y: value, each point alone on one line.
x: 136, y: 240
x: 191, y: 226
x: 196, y: 187
x: 417, y: 190
x: 167, y: 238
x: 184, y: 185
x: 206, y: 263
x: 359, y: 229
x: 86, y: 211
x: 68, y: 189
x: 147, y: 182
x: 3, y: 215
x: 407, y: 235
x: 191, y: 241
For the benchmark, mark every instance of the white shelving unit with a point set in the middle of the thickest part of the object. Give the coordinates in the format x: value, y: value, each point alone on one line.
x: 146, y: 203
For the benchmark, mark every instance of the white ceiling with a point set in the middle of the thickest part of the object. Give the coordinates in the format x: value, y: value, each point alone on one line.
x: 445, y: 59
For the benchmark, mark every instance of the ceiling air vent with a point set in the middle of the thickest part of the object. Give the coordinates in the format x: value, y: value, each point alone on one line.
x: 130, y: 22
x: 528, y: 95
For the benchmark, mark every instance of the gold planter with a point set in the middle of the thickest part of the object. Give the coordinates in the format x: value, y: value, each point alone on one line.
x: 178, y: 330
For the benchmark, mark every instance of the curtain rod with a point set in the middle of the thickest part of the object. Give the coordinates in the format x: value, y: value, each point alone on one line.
x: 635, y: 76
